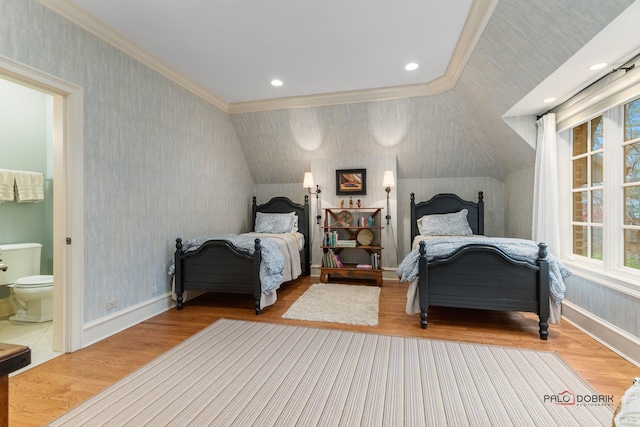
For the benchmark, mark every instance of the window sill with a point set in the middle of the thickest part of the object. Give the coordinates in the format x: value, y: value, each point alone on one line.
x: 618, y: 281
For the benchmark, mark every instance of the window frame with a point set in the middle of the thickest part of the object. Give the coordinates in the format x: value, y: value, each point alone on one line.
x: 611, y: 270
x: 590, y: 188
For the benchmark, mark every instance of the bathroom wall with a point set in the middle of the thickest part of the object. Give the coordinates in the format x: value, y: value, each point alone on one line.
x: 26, y: 144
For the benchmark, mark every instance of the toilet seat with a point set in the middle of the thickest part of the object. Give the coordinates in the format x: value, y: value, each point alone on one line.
x: 30, y: 282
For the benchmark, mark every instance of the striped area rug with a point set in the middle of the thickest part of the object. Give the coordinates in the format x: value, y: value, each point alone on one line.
x: 240, y: 373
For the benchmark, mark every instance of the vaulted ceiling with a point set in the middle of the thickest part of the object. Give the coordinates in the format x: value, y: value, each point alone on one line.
x: 450, y: 131
x: 458, y: 133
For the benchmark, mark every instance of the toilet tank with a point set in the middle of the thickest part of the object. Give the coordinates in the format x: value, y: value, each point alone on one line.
x: 21, y: 260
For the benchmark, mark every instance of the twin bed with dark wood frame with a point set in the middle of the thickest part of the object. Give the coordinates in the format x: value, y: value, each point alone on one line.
x: 219, y: 266
x: 478, y: 276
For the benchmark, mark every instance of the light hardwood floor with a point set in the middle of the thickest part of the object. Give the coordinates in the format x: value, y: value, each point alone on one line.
x: 47, y: 391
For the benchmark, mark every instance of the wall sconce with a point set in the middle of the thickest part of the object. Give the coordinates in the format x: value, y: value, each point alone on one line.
x: 388, y: 181
x: 309, y: 184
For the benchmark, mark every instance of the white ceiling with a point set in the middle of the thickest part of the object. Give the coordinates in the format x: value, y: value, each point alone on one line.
x: 234, y: 48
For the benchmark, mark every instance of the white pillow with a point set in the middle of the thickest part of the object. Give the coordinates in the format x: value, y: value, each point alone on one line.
x: 275, y: 223
x: 453, y: 224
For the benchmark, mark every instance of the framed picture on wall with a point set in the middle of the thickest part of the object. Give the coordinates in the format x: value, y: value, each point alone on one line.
x: 351, y: 182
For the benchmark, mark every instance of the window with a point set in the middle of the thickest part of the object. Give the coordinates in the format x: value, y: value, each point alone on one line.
x: 631, y: 185
x: 587, y: 189
x: 605, y: 206
x: 598, y: 136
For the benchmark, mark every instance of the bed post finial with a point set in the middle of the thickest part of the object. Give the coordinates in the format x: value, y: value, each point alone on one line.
x: 179, y: 244
x: 423, y: 248
x: 542, y: 251
x: 255, y: 201
x: 480, y: 196
x: 413, y: 197
x: 306, y: 199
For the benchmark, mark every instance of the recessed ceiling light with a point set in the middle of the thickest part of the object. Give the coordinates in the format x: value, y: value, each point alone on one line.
x: 411, y: 66
x: 599, y: 66
x: 276, y: 82
x: 549, y: 100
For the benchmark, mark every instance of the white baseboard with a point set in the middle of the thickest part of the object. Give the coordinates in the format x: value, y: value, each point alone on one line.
x: 123, y: 319
x: 607, y: 334
x: 389, y: 274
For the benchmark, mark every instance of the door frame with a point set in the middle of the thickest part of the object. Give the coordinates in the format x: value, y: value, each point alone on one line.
x: 68, y: 199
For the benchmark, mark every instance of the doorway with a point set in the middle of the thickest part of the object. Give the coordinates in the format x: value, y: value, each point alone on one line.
x: 68, y: 218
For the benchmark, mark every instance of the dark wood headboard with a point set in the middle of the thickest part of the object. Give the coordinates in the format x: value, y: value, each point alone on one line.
x: 285, y: 205
x: 448, y: 203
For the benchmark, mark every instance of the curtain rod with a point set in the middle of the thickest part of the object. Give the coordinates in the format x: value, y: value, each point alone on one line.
x: 622, y: 67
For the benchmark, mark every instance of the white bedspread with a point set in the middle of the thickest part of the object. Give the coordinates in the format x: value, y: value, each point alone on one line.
x: 290, y: 246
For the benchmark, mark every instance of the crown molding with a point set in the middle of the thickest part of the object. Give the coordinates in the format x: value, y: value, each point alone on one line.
x: 83, y: 19
x: 337, y: 98
x: 479, y: 15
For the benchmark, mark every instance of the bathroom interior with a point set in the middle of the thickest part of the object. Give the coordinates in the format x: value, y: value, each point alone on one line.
x: 26, y: 227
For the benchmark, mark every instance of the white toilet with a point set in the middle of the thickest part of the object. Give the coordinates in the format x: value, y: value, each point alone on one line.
x: 31, y: 294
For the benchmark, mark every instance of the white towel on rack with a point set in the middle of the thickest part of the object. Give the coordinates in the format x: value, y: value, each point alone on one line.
x: 29, y: 186
x: 7, y: 182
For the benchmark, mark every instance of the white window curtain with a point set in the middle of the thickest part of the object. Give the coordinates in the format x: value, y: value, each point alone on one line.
x: 545, y: 227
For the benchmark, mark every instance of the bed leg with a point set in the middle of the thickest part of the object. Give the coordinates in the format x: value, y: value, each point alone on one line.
x: 544, y: 326
x: 423, y: 319
x: 179, y: 301
x: 258, y: 311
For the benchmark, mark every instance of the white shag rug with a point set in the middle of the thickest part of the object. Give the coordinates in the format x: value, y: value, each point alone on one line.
x: 337, y: 303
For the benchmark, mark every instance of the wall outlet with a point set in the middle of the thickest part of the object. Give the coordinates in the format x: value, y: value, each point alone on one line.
x: 111, y: 304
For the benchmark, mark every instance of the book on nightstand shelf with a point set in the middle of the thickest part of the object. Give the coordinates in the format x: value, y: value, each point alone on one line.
x: 364, y: 267
x: 330, y: 259
x: 346, y: 243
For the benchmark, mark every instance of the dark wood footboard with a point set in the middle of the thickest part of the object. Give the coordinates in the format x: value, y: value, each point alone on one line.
x: 483, y: 277
x: 218, y: 266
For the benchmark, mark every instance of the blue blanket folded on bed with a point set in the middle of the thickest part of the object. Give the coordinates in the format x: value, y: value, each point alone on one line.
x: 518, y: 249
x: 272, y: 263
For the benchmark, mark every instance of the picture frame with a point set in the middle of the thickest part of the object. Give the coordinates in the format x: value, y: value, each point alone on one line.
x: 351, y: 182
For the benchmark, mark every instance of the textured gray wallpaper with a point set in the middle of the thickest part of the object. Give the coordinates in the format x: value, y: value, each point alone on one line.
x: 617, y: 308
x: 519, y: 200
x: 466, y: 188
x: 160, y: 163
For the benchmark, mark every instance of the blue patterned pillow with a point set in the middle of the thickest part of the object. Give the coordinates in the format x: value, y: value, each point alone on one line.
x: 453, y: 224
x: 274, y: 223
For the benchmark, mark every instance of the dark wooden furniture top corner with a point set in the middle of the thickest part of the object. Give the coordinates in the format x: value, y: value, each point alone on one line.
x: 13, y: 357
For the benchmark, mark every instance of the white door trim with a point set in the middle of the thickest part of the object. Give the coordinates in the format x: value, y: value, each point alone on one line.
x: 68, y: 204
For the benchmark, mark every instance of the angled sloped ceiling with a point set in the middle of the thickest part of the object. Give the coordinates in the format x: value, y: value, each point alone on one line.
x: 459, y: 133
